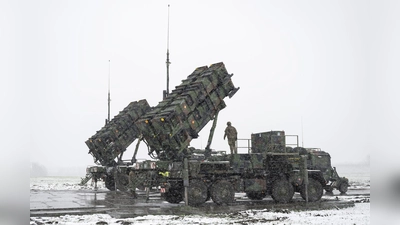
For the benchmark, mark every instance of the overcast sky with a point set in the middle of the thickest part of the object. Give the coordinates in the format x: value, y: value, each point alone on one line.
x: 306, y: 67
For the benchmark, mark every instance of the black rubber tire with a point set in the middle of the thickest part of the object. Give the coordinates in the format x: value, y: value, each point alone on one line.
x: 282, y: 191
x: 255, y: 195
x: 197, y: 192
x: 222, y: 192
x: 315, y: 190
x: 174, y: 195
x: 343, y: 188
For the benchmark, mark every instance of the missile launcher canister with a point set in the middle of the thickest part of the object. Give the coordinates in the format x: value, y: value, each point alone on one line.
x: 117, y: 135
x: 170, y: 126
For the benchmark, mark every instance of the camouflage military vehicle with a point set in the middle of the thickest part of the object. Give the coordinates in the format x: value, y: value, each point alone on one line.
x: 320, y: 160
x: 269, y: 168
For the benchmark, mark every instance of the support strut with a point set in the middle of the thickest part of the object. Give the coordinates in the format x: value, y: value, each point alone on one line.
x: 207, y: 152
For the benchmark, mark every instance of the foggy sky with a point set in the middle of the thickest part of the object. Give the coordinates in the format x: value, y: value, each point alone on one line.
x: 302, y: 66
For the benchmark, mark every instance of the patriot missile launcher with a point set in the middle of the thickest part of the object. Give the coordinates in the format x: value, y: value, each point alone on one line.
x: 175, y: 121
x: 167, y: 128
x: 112, y: 140
x: 271, y: 166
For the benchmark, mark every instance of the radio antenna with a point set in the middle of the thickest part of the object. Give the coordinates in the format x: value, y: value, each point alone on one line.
x: 302, y: 133
x: 109, y: 99
x: 166, y: 93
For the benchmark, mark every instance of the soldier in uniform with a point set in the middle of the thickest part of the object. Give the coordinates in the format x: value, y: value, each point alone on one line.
x: 231, y: 133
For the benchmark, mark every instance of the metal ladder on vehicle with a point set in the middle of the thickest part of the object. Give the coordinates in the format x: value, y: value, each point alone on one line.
x: 85, y: 179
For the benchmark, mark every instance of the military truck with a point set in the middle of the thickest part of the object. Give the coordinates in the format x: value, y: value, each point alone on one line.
x: 269, y: 168
x: 320, y: 160
x: 184, y: 173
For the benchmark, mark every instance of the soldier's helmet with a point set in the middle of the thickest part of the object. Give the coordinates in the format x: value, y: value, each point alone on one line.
x: 228, y: 123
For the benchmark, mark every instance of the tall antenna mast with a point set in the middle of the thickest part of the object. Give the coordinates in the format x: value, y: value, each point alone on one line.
x: 166, y: 93
x: 109, y: 100
x: 302, y: 134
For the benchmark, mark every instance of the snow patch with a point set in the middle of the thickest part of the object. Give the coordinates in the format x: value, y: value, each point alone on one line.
x: 360, y: 214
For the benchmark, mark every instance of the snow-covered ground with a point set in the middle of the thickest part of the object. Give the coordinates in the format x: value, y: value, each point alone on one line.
x: 62, y: 183
x: 359, y: 214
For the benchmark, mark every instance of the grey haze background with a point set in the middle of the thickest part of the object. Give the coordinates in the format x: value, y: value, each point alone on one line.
x: 302, y: 67
x: 296, y: 62
x: 331, y: 64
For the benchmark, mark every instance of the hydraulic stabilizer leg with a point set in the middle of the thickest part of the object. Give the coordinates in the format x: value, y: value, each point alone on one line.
x: 304, y: 175
x: 186, y: 179
x: 207, y: 152
x: 136, y: 149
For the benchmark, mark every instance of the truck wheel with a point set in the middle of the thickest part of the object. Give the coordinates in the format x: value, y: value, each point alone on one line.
x: 282, y: 191
x: 256, y: 195
x: 174, y: 195
x: 343, y: 187
x: 110, y: 183
x: 197, y: 193
x: 222, y: 192
x: 315, y: 190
